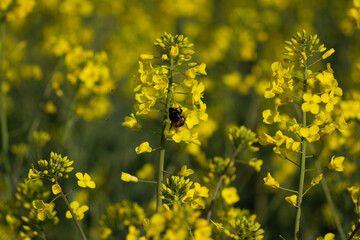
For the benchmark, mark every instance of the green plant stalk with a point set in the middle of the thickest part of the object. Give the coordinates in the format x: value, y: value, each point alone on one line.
x: 302, y: 167
x: 163, y: 139
x: 331, y: 203
x: 221, y: 178
x: 77, y: 223
x: 3, y: 119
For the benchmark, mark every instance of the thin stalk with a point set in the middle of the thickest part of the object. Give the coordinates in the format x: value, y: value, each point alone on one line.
x: 163, y: 139
x: 302, y: 167
x: 77, y: 223
x: 3, y: 119
x: 331, y: 203
x: 221, y: 178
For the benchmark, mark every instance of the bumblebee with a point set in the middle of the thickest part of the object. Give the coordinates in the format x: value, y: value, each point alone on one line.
x: 176, y: 119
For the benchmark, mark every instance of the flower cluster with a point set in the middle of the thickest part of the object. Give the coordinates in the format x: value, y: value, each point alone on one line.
x: 173, y: 84
x: 90, y: 75
x: 180, y: 190
x: 241, y: 137
x: 316, y: 92
x: 179, y: 222
x: 28, y: 219
x: 118, y: 216
x: 57, y: 167
x: 12, y: 10
x: 215, y: 167
x: 238, y: 224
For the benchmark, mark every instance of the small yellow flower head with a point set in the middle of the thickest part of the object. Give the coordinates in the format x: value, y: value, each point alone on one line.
x: 201, y: 69
x: 230, y: 195
x: 270, y: 181
x: 185, y: 172
x: 256, y: 164
x: 146, y: 57
x: 144, y: 147
x: 131, y: 122
x: 311, y: 134
x: 44, y: 210
x: 50, y: 107
x: 292, y: 200
x: 328, y: 236
x: 56, y: 189
x: 174, y: 51
x: 85, y: 180
x: 41, y: 137
x: 354, y: 192
x: 316, y: 179
x: 311, y: 103
x: 18, y: 149
x: 164, y: 57
x: 128, y: 178
x: 337, y: 164
x: 270, y: 117
x: 78, y: 210
x: 104, y: 232
x: 328, y: 53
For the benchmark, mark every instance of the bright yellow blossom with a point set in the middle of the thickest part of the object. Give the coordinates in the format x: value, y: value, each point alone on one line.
x: 316, y: 179
x: 328, y: 236
x: 131, y: 122
x: 328, y: 53
x: 270, y: 181
x: 336, y: 164
x: 85, y: 180
x: 311, y: 134
x: 292, y: 200
x: 128, y: 178
x: 146, y: 56
x: 271, y: 117
x: 230, y: 195
x: 144, y: 147
x: 77, y: 210
x: 56, y: 189
x: 311, y: 103
x: 44, y: 210
x: 174, y: 51
x: 256, y: 164
x: 185, y: 172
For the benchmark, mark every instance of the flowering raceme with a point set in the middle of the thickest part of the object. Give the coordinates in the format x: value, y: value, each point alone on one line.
x: 317, y: 94
x: 155, y: 85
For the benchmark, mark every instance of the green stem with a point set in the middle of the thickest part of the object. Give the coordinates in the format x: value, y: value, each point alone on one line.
x: 77, y: 222
x: 163, y: 139
x: 221, y: 178
x: 3, y: 119
x: 331, y: 203
x: 302, y: 167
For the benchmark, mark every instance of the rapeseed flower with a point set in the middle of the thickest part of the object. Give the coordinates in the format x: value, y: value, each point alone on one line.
x: 85, y: 180
x: 143, y: 147
x: 292, y: 200
x: 56, y: 189
x: 230, y: 195
x: 128, y: 178
x: 270, y: 181
x: 337, y: 164
x: 77, y: 210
